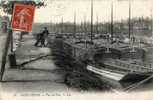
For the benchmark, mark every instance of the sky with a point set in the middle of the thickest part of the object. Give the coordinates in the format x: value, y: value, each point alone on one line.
x: 58, y: 9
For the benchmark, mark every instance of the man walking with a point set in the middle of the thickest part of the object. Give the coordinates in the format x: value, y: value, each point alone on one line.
x: 46, y: 32
x: 42, y: 37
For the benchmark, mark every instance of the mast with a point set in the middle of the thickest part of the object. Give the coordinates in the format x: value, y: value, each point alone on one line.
x: 51, y: 24
x: 151, y: 23
x: 81, y: 27
x: 133, y: 39
x: 112, y: 32
x: 85, y: 31
x: 91, y: 21
x: 74, y: 31
x: 97, y: 25
x: 129, y: 19
x: 151, y: 27
x: 56, y: 27
x: 110, y: 36
x: 62, y: 25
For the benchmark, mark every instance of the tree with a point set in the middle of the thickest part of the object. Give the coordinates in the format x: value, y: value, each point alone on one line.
x: 7, y: 5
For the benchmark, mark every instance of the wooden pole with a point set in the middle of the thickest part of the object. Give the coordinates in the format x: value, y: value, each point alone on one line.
x: 11, y: 40
x: 4, y: 56
x: 12, y: 55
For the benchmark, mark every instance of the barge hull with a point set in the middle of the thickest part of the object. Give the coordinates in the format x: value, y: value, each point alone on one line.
x: 117, y: 76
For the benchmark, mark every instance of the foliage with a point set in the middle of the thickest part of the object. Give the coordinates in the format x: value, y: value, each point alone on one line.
x: 7, y: 5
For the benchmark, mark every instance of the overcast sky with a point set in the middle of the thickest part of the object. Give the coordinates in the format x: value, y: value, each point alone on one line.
x: 58, y: 9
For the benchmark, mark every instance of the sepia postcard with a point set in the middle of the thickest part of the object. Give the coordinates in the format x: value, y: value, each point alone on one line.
x: 76, y: 49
